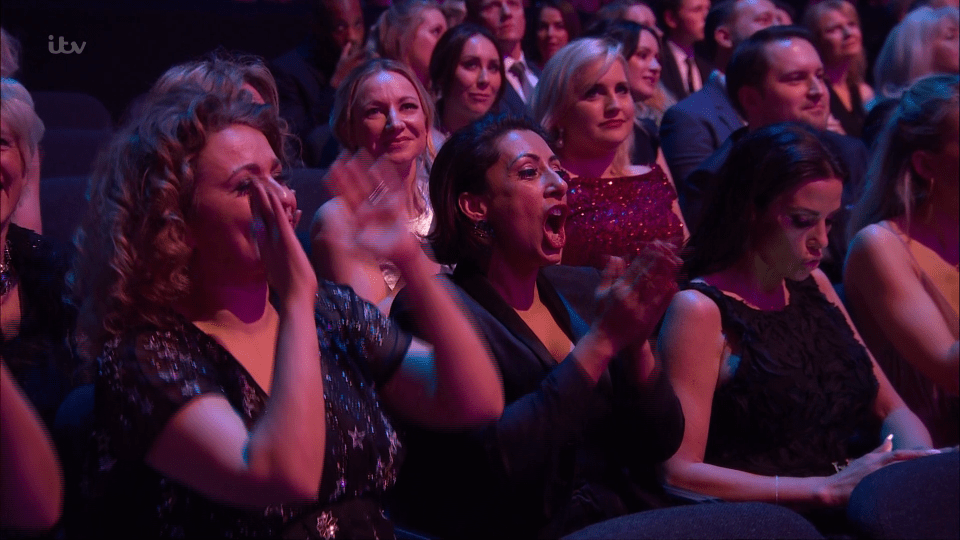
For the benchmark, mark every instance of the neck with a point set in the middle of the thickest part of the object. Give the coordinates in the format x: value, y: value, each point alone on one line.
x: 684, y: 42
x: 939, y: 227
x: 513, y: 49
x: 517, y: 284
x: 228, y: 304
x: 589, y: 166
x: 755, y: 276
x: 722, y: 59
x: 837, y: 73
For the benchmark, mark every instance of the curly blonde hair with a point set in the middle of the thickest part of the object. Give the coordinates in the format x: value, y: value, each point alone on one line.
x: 133, y: 257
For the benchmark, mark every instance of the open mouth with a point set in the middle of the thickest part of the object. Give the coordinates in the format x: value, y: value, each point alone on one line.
x: 554, y: 226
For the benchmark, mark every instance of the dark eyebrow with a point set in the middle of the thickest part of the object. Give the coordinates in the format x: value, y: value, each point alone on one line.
x: 524, y: 155
x: 253, y: 168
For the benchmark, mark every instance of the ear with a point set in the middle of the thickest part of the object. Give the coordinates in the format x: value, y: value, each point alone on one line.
x: 723, y: 37
x: 750, y: 99
x: 473, y: 206
x: 922, y: 161
x: 670, y: 19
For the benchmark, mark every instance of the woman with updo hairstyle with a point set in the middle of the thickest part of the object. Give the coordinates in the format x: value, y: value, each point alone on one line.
x: 407, y: 32
x: 236, y: 396
x: 37, y: 353
x: 583, y: 102
x: 900, y: 277
x: 835, y: 27
x: 467, y: 76
x: 552, y: 25
x: 381, y: 113
x: 782, y: 401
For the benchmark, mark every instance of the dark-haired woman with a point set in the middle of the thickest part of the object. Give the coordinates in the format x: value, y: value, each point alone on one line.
x: 782, y: 401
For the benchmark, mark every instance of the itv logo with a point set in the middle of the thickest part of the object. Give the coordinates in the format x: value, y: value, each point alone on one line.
x: 62, y: 49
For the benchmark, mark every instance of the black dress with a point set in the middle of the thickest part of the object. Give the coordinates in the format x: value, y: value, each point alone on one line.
x: 801, y: 397
x: 146, y: 375
x: 851, y: 120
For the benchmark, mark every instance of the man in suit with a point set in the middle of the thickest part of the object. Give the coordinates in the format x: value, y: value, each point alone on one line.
x: 506, y: 21
x: 694, y: 128
x: 682, y: 21
x: 307, y: 77
x: 776, y: 75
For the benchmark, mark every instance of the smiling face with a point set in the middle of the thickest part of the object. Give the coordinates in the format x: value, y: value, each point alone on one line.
x: 477, y: 79
x: 793, y: 89
x: 220, y: 225
x: 526, y: 201
x: 552, y: 33
x: 791, y: 236
x: 388, y: 118
x: 12, y: 175
x: 423, y: 40
x: 643, y: 68
x: 602, y: 117
x: 840, y: 35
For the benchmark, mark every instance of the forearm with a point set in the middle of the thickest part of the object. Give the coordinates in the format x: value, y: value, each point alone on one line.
x: 907, y: 429
x: 289, y: 440
x: 31, y: 482
x: 468, y: 389
x: 738, y: 486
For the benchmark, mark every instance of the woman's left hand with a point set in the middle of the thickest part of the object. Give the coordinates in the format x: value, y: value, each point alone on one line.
x: 375, y: 196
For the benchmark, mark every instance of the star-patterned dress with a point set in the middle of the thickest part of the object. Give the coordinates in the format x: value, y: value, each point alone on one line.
x: 146, y: 375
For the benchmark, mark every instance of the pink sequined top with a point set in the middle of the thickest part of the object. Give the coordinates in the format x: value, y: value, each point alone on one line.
x: 619, y: 216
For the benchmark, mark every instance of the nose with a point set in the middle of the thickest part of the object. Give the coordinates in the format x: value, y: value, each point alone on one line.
x: 820, y: 239
x: 556, y: 186
x: 817, y: 86
x: 356, y: 35
x: 655, y: 65
x: 393, y: 119
x: 288, y: 198
x: 483, y: 78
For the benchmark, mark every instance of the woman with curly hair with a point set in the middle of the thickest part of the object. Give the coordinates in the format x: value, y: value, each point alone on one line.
x: 236, y: 396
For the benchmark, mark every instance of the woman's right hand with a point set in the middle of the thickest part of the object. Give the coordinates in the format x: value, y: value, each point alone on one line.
x: 632, y: 300
x: 836, y: 489
x: 289, y: 271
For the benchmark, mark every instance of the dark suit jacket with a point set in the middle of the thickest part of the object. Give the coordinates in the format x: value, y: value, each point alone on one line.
x: 556, y: 459
x: 306, y: 100
x: 693, y: 129
x: 670, y: 72
x: 696, y: 192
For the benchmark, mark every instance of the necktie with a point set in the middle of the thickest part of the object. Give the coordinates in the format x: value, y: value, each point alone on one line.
x: 520, y: 72
x: 690, y: 67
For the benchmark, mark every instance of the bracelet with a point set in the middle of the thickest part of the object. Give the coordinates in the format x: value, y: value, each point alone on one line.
x: 777, y: 488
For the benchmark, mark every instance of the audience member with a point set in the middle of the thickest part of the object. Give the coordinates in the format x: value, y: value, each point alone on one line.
x: 583, y: 102
x: 383, y: 110
x: 554, y: 24
x: 683, y: 24
x: 506, y: 21
x: 776, y: 76
x: 588, y: 413
x: 640, y: 46
x: 782, y: 400
x: 466, y: 71
x: 926, y: 41
x: 407, y: 32
x: 629, y: 10
x: 308, y: 76
x: 235, y: 394
x: 695, y: 127
x: 835, y: 27
x: 901, y: 277
x: 37, y: 356
x: 223, y: 73
x: 9, y: 54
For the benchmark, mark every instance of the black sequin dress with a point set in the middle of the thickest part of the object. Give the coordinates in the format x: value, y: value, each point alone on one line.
x: 147, y: 375
x: 801, y: 397
x: 619, y: 216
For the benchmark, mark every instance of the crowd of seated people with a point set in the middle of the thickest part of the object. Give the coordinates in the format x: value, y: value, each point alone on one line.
x: 516, y: 314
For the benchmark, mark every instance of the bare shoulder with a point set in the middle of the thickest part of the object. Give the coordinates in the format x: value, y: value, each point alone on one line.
x: 823, y: 283
x: 877, y: 246
x: 331, y: 218
x: 694, y: 312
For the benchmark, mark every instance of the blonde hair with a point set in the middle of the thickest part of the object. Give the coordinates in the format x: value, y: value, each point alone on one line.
x: 905, y: 56
x: 571, y: 72
x: 391, y: 35
x: 9, y: 54
x: 811, y: 19
x: 16, y: 111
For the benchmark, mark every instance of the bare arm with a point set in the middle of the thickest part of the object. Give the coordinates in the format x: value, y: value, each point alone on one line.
x: 692, y: 345
x: 31, y: 482
x: 337, y: 258
x: 882, y: 284
x: 206, y: 444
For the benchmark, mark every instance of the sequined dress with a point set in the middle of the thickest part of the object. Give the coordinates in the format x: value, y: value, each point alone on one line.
x: 619, y: 216
x: 147, y: 375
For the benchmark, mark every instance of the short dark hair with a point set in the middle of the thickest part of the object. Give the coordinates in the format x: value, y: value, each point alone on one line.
x: 571, y: 21
x: 750, y: 63
x: 446, y: 58
x: 720, y: 14
x: 461, y: 167
x: 762, y: 165
x: 624, y: 32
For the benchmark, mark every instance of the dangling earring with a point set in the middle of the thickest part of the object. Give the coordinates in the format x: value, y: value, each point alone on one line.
x: 483, y: 230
